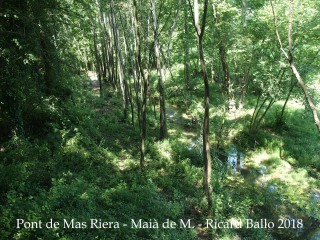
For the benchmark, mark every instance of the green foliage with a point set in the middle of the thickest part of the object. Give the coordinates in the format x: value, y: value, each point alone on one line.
x: 68, y: 153
x: 70, y: 174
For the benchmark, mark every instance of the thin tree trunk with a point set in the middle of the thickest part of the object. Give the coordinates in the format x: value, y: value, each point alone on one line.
x: 186, y: 49
x: 280, y: 119
x: 103, y: 44
x: 207, y: 186
x: 163, y: 122
x: 244, y: 12
x: 272, y: 101
x: 98, y: 62
x: 135, y: 69
x: 171, y: 32
x: 254, y: 113
x: 227, y: 79
x: 255, y: 117
x: 225, y: 67
x: 120, y: 71
x: 144, y: 88
x: 111, y: 60
x: 127, y: 58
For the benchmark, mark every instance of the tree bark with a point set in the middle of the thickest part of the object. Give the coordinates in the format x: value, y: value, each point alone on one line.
x: 207, y: 168
x: 226, y: 76
x: 186, y: 48
x: 163, y: 121
x: 244, y: 12
x: 120, y: 70
x: 144, y: 88
x: 127, y: 62
x: 98, y: 62
x: 307, y: 96
x: 171, y: 32
x: 280, y: 119
x: 225, y: 68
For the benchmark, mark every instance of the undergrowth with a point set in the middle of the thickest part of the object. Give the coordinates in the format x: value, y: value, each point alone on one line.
x: 86, y: 166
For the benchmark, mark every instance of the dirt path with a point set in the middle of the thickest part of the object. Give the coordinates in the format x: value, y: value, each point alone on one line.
x: 94, y: 83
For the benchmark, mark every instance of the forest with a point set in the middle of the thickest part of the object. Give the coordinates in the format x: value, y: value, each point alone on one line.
x: 159, y: 119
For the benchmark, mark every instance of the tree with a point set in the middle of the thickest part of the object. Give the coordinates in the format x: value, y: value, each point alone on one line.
x: 186, y: 47
x: 120, y: 70
x: 289, y: 56
x: 207, y: 168
x: 163, y: 121
x: 33, y: 68
x: 144, y: 87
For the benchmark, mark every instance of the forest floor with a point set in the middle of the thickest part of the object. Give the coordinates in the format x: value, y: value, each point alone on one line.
x: 268, y: 171
x: 291, y: 191
x: 87, y: 165
x: 294, y: 192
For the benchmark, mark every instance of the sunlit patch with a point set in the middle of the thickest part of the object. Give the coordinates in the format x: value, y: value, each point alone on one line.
x: 235, y: 222
x: 164, y: 149
x: 295, y: 105
x: 257, y: 159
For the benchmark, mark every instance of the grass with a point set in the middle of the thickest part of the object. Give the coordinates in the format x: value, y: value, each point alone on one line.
x: 289, y: 151
x: 87, y: 166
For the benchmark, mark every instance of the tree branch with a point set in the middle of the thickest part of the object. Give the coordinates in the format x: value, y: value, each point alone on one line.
x: 277, y: 32
x: 204, y: 17
x: 290, y: 33
x: 293, y: 67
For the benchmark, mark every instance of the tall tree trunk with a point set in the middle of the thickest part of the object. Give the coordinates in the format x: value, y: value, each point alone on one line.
x: 98, y: 61
x: 227, y: 79
x: 135, y: 68
x: 144, y: 88
x: 111, y: 64
x: 128, y: 58
x: 207, y: 168
x: 225, y: 67
x: 244, y: 12
x: 186, y: 48
x: 163, y: 121
x: 171, y: 32
x: 120, y: 70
